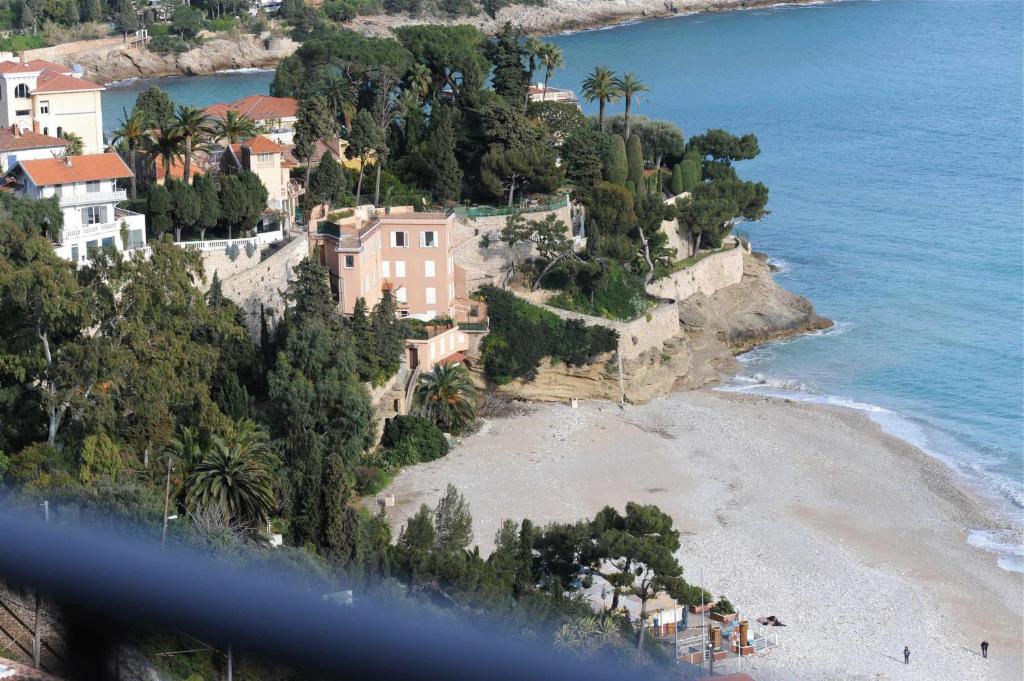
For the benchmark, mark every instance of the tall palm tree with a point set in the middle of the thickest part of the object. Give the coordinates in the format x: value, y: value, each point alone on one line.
x: 601, y: 86
x: 234, y: 128
x: 630, y: 86
x: 447, y: 397
x: 168, y: 146
x: 419, y: 81
x: 235, y: 479
x: 185, y: 448
x: 551, y: 59
x: 193, y: 126
x: 533, y: 47
x: 132, y: 135
x: 341, y: 97
x: 75, y: 145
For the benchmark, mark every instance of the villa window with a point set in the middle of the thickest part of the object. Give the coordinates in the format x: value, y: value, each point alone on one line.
x: 90, y: 248
x: 44, y: 107
x: 92, y: 186
x: 21, y: 92
x: 399, y: 240
x: 350, y: 262
x: 428, y: 239
x: 136, y: 238
x: 401, y: 295
x: 94, y: 215
x: 429, y: 269
x: 399, y: 268
x: 74, y: 253
x: 385, y: 268
x: 23, y: 112
x: 431, y: 295
x: 108, y: 242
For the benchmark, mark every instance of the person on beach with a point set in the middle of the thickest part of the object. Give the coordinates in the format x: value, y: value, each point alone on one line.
x: 984, y: 649
x: 906, y: 654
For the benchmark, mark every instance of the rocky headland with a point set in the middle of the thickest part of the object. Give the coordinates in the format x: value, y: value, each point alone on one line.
x: 713, y: 330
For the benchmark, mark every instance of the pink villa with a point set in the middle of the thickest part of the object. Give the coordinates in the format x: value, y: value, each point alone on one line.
x: 369, y: 250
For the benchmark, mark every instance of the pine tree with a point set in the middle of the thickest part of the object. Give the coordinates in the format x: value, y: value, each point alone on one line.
x: 617, y: 169
x: 446, y: 176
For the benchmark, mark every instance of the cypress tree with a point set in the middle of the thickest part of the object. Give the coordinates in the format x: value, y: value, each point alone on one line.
x: 158, y: 207
x: 445, y: 174
x: 362, y: 338
x: 691, y: 171
x: 328, y: 181
x: 617, y: 169
x: 387, y: 336
x: 677, y: 179
x: 185, y: 207
x: 209, y: 203
x: 635, y: 160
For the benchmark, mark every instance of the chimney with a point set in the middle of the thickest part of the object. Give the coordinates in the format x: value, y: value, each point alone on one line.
x: 67, y: 161
x: 35, y: 127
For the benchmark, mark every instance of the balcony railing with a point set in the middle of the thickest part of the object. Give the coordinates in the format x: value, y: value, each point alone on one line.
x: 94, y: 197
x: 105, y: 228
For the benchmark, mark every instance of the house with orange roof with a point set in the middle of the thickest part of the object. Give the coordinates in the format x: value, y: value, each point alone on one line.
x: 266, y: 158
x: 55, y: 98
x: 276, y: 115
x: 27, y: 145
x: 86, y: 190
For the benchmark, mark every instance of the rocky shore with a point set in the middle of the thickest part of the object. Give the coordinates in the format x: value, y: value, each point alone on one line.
x: 104, y: 63
x: 713, y: 330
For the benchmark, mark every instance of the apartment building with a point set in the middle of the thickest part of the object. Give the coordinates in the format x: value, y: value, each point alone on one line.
x: 52, y: 99
x: 86, y: 189
x: 367, y: 250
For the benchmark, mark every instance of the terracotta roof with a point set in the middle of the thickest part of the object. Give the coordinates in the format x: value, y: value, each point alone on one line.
x: 17, y: 141
x: 86, y: 168
x: 177, y: 168
x: 258, y: 107
x: 454, y: 358
x: 59, y: 82
x: 43, y: 65
x: 16, y: 67
x: 262, y: 145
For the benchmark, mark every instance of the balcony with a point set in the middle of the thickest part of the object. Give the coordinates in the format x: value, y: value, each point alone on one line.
x: 106, y: 229
x: 94, y: 197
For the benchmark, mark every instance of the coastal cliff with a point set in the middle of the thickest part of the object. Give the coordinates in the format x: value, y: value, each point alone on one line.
x: 222, y: 53
x: 713, y: 330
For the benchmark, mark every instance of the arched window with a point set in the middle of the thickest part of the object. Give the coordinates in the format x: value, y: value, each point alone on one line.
x: 21, y: 91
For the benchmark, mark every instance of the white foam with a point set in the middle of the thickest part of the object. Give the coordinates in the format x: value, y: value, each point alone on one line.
x: 1002, y: 543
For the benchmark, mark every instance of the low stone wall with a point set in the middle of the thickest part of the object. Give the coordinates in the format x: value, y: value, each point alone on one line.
x: 489, y: 265
x: 707, y: 276
x: 637, y: 336
x: 265, y: 284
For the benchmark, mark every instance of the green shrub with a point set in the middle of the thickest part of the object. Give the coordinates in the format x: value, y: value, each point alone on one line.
x: 370, y: 480
x: 723, y: 606
x: 523, y: 334
x: 17, y: 43
x: 410, y: 440
x: 220, y: 25
x: 167, y: 44
x: 619, y: 295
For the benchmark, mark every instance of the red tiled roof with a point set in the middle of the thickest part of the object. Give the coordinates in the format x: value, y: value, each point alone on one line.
x: 454, y: 358
x: 177, y: 168
x: 59, y: 82
x: 43, y: 65
x: 86, y: 168
x: 258, y: 107
x: 262, y: 145
x: 17, y: 141
x: 15, y: 67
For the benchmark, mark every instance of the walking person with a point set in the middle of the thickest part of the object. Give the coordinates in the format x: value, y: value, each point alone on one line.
x: 906, y: 654
x: 984, y: 649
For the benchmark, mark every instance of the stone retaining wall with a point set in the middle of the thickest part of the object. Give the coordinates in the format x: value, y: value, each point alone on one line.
x: 707, y: 276
x: 265, y: 284
x: 489, y: 265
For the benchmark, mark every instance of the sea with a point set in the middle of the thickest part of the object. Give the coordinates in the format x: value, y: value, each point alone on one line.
x: 891, y: 141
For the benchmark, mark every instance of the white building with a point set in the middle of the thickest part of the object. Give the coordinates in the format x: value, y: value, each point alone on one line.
x: 53, y: 97
x: 86, y: 189
x: 27, y: 145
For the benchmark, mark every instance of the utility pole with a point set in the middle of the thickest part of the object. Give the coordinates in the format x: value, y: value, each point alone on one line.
x: 230, y: 663
x: 167, y: 502
x: 37, y: 639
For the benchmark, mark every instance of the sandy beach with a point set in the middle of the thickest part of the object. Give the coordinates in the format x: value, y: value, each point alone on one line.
x: 855, y: 539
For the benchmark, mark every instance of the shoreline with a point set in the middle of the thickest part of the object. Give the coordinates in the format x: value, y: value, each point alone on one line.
x: 878, y: 525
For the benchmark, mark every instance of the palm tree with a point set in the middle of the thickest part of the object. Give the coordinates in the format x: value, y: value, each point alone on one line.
x: 168, y: 146
x: 193, y: 126
x: 186, y: 448
x: 75, y: 145
x: 601, y: 86
x: 419, y: 81
x: 132, y: 135
x: 234, y: 128
x: 533, y: 47
x: 447, y: 397
x: 551, y: 59
x: 341, y: 97
x: 234, y: 478
x: 630, y: 86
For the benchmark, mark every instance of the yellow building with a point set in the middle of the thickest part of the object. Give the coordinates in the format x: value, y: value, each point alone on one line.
x: 52, y: 99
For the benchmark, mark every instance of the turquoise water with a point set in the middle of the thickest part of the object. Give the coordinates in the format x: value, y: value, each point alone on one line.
x: 891, y: 140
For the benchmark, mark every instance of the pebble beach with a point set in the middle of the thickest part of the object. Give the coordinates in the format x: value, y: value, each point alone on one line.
x: 854, y: 538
